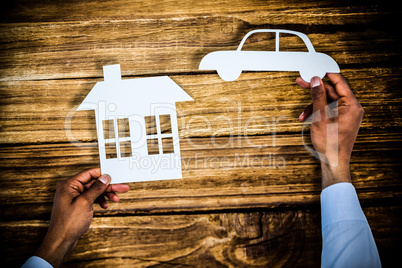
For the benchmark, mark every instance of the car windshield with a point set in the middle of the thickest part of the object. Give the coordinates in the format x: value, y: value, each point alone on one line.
x: 260, y: 41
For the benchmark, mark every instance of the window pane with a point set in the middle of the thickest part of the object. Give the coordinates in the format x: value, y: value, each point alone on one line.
x: 150, y: 124
x: 110, y: 150
x: 153, y: 147
x: 125, y: 149
x: 124, y: 127
x: 260, y: 42
x: 166, y: 126
x: 108, y: 129
x: 291, y: 42
x: 167, y: 144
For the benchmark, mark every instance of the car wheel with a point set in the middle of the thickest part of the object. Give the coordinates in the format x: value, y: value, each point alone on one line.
x: 229, y: 74
x: 307, y: 76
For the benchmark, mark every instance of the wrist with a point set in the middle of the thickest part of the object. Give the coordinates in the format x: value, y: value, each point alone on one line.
x: 334, y: 174
x: 54, y: 248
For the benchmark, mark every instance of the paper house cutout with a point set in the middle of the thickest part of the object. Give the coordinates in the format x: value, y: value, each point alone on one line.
x: 230, y: 64
x: 136, y: 122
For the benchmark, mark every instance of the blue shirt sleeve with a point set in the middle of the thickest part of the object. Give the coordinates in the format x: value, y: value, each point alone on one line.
x: 346, y: 234
x: 36, y: 262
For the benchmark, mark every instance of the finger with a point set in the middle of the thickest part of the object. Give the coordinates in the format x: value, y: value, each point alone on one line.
x: 119, y: 188
x: 96, y: 189
x: 318, y: 94
x: 330, y: 89
x: 75, y: 185
x: 113, y: 197
x: 306, y: 113
x: 88, y: 185
x: 331, y: 92
x: 302, y: 83
x: 86, y: 175
x: 102, y: 202
x: 341, y: 86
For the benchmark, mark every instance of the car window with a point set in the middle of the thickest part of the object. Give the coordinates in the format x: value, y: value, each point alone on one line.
x: 260, y: 42
x: 291, y: 42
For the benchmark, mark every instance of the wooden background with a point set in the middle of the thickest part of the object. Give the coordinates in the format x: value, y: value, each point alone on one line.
x: 249, y: 196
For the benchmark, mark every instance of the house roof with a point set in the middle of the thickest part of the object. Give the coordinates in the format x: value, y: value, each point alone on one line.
x: 132, y: 94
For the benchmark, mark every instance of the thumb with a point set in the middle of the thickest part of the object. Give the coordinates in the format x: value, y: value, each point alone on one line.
x: 97, y: 188
x: 318, y: 94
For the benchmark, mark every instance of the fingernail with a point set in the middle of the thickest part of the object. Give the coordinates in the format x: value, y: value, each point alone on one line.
x: 315, y: 82
x: 104, y: 179
x: 301, y: 116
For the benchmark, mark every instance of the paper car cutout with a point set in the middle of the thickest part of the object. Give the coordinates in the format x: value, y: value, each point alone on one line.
x: 230, y: 64
x: 136, y: 123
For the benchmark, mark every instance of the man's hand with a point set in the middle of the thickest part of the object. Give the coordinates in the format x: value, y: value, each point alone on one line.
x: 72, y: 212
x: 334, y: 145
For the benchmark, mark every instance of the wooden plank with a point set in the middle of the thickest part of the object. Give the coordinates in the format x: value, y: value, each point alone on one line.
x: 256, y: 104
x: 51, y: 50
x: 236, y: 205
x: 246, y: 173
x: 319, y: 12
x: 233, y: 239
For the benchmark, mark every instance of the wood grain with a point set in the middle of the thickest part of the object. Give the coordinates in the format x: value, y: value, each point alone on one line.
x: 242, y: 239
x: 249, y: 196
x: 245, y: 173
x: 56, y: 44
x: 324, y: 12
x: 256, y: 104
x: 76, y: 50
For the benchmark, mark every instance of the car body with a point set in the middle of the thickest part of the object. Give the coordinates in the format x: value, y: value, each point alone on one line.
x: 230, y: 64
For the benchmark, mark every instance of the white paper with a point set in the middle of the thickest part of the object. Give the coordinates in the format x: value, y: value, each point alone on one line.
x: 230, y: 64
x: 131, y: 100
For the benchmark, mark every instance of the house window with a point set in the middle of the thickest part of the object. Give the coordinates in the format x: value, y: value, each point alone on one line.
x: 117, y: 138
x: 159, y: 134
